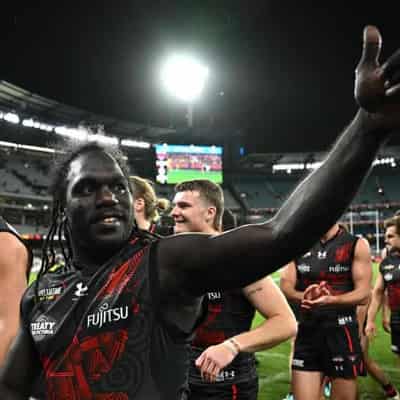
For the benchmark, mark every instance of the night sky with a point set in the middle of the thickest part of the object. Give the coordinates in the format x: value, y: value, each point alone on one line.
x: 286, y: 71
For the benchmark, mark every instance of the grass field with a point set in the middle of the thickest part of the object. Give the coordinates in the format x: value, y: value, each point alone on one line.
x: 179, y: 175
x: 274, y: 374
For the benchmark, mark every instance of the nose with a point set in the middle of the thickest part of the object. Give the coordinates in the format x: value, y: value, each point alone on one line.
x: 106, y: 197
x: 174, y: 212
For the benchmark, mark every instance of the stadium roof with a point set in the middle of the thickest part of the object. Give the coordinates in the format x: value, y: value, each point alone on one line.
x: 31, y: 105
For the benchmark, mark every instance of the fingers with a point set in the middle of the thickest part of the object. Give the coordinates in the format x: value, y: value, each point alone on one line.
x: 391, y: 67
x: 372, y: 44
x: 209, y: 370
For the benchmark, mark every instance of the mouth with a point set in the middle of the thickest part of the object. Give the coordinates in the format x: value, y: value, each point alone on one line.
x: 108, y: 220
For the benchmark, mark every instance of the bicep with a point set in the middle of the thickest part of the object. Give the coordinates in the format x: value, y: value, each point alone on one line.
x: 267, y: 298
x: 362, y: 264
x: 288, y: 276
x: 22, y: 364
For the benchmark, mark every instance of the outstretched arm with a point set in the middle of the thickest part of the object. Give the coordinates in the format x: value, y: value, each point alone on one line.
x: 236, y: 258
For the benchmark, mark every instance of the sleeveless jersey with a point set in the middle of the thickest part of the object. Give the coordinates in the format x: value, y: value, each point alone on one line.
x: 229, y: 313
x: 6, y: 227
x: 100, y: 334
x: 390, y: 270
x: 331, y: 262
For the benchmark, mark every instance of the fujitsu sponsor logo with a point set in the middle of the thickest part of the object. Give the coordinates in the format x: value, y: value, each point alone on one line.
x: 107, y: 315
x: 339, y: 268
x: 214, y: 295
x: 388, y: 267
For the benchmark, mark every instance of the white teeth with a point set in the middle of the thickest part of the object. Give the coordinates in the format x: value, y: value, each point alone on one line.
x: 109, y: 220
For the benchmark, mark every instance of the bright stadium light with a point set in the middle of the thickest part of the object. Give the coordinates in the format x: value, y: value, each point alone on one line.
x: 185, y: 78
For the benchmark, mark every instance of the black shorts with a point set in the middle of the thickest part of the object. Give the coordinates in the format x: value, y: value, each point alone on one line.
x: 395, y: 334
x: 332, y: 349
x: 232, y: 391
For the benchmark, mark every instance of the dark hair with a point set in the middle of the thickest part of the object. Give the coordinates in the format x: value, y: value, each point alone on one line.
x: 209, y: 191
x: 58, y: 189
x: 394, y: 221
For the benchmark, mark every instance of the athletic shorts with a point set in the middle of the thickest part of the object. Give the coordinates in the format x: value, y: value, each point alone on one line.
x: 334, y: 350
x: 232, y: 391
x: 395, y: 334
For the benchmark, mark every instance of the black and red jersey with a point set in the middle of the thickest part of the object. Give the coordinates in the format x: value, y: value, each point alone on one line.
x: 6, y: 227
x: 390, y: 271
x: 100, y: 334
x: 229, y: 313
x: 329, y: 261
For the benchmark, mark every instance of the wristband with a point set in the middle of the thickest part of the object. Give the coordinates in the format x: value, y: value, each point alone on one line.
x: 233, y: 346
x: 235, y: 343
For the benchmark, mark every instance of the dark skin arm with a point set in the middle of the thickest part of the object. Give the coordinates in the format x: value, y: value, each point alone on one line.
x: 196, y: 263
x: 21, y: 368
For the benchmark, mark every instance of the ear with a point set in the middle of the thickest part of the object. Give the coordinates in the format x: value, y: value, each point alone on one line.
x: 211, y: 212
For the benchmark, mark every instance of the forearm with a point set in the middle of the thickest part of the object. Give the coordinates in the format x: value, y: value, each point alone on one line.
x: 353, y: 298
x: 376, y: 302
x: 292, y: 295
x: 273, y: 331
x: 328, y: 190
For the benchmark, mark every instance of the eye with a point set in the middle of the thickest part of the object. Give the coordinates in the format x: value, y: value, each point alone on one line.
x: 119, y: 188
x: 84, y: 188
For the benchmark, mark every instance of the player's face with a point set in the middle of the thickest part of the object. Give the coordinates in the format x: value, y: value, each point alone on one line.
x: 190, y: 213
x: 392, y: 238
x: 98, y: 204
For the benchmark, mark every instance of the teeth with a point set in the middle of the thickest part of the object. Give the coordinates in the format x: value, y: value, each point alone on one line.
x: 109, y: 220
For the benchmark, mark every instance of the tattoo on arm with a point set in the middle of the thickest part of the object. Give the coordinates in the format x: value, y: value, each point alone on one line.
x: 252, y: 291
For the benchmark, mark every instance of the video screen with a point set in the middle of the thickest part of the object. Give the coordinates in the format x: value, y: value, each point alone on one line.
x: 177, y: 163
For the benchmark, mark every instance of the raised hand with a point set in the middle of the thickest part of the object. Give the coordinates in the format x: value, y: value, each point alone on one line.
x: 377, y: 87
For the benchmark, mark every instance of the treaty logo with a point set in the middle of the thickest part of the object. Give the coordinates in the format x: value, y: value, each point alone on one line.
x: 42, y: 327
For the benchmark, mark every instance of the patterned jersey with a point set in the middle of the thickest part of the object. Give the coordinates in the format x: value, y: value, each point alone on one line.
x: 100, y: 334
x: 390, y: 271
x: 229, y: 313
x: 330, y: 261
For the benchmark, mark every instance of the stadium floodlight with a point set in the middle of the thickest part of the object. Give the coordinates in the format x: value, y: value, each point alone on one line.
x: 184, y: 77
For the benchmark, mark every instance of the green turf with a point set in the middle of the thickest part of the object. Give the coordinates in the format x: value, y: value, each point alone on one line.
x: 274, y: 375
x: 179, y: 175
